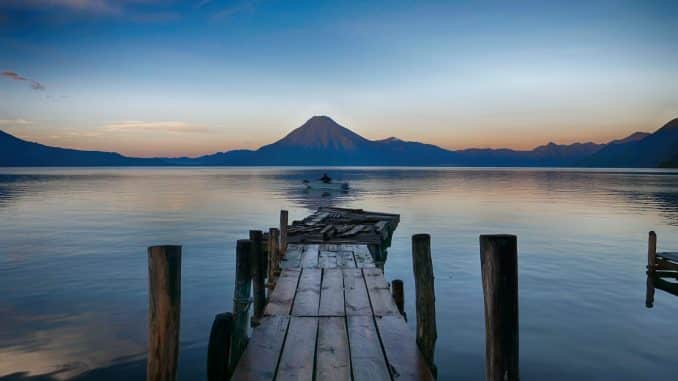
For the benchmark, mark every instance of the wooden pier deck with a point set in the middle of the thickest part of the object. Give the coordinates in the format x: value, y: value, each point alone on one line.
x: 331, y: 315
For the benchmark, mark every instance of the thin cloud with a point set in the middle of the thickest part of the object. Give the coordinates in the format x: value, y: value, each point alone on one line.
x: 35, y: 85
x: 224, y: 13
x: 15, y: 122
x: 161, y: 126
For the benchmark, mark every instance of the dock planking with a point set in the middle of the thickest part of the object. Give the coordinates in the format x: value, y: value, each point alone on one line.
x: 331, y: 315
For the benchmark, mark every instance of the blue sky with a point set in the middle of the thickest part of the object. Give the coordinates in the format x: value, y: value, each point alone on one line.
x: 147, y: 77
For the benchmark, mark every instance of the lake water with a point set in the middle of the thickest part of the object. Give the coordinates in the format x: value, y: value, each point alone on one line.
x: 73, y: 266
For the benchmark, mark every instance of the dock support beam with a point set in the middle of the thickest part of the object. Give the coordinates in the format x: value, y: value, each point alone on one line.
x: 241, y: 300
x: 652, y: 253
x: 273, y: 256
x: 499, y: 267
x: 219, y: 347
x: 427, y: 333
x: 398, y: 292
x: 164, y: 280
x: 258, y: 272
x: 283, y: 231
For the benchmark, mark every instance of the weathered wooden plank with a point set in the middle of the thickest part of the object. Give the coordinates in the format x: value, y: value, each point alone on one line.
x: 355, y: 293
x: 327, y: 259
x: 668, y: 255
x: 363, y: 258
x: 345, y: 259
x: 332, y: 359
x: 332, y: 293
x: 280, y: 301
x: 263, y: 350
x: 307, y: 300
x: 367, y: 358
x: 309, y: 256
x: 292, y: 257
x: 404, y: 359
x: 380, y: 294
x: 296, y: 361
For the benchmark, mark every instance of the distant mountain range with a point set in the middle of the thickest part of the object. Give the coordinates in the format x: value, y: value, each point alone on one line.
x: 322, y: 141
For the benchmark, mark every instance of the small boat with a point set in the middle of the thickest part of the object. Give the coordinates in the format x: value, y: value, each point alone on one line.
x: 330, y: 186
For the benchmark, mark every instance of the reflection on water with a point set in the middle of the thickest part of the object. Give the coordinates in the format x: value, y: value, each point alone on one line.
x: 73, y: 264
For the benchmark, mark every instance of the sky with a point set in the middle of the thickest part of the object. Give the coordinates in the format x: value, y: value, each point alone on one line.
x: 185, y: 78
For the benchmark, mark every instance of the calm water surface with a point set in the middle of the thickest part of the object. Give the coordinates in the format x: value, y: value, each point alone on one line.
x: 73, y: 271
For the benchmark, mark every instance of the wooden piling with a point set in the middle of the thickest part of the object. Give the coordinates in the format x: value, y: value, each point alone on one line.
x: 652, y: 253
x: 258, y: 272
x: 241, y: 300
x: 273, y: 256
x: 425, y: 296
x: 283, y: 231
x: 164, y: 279
x: 499, y: 267
x: 219, y: 347
x: 398, y: 292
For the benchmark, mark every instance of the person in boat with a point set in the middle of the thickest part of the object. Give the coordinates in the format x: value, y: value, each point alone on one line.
x: 326, y: 179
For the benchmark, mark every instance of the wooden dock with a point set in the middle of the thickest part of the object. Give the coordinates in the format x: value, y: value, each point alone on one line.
x: 662, y: 271
x: 331, y: 315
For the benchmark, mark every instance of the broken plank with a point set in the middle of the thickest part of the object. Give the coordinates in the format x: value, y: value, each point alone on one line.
x: 355, y: 293
x: 296, y: 360
x: 367, y: 358
x: 332, y: 293
x: 333, y: 360
x: 280, y: 301
x: 379, y: 292
x: 404, y: 359
x: 307, y: 300
x: 263, y: 350
x: 362, y: 255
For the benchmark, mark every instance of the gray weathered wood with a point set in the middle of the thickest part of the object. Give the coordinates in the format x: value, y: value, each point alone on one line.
x: 499, y: 267
x: 273, y: 257
x: 280, y: 301
x: 241, y: 299
x: 402, y: 354
x: 355, y: 293
x: 309, y: 256
x: 297, y: 358
x: 367, y: 358
x: 333, y: 362
x: 218, y: 348
x: 669, y: 256
x: 327, y: 259
x: 345, y: 259
x: 164, y: 280
x: 332, y: 293
x: 292, y: 258
x: 379, y: 292
x: 260, y: 359
x: 652, y: 252
x: 307, y: 299
x: 427, y: 332
x: 283, y: 231
x: 258, y: 272
x: 362, y: 255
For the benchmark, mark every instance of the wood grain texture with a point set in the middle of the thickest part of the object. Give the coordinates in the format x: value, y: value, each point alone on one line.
x: 332, y: 293
x: 292, y: 258
x: 345, y: 259
x: 404, y: 359
x: 282, y: 297
x: 379, y: 292
x: 297, y: 359
x: 260, y: 359
x: 307, y: 299
x: 164, y: 279
x: 363, y: 258
x: 367, y: 358
x: 333, y: 361
x: 427, y: 331
x: 356, y: 300
x: 327, y: 259
x: 309, y: 256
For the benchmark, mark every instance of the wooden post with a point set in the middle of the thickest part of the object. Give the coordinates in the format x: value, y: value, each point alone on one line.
x: 274, y: 256
x: 258, y: 272
x: 649, y: 291
x: 398, y: 292
x: 219, y: 347
x: 652, y: 253
x: 164, y: 280
x: 425, y: 296
x: 283, y: 232
x: 499, y: 267
x: 241, y: 300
